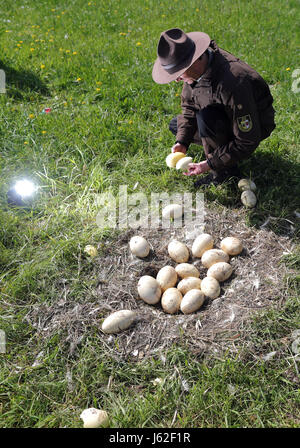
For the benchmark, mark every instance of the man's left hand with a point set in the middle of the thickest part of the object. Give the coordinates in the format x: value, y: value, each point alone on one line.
x: 197, y: 168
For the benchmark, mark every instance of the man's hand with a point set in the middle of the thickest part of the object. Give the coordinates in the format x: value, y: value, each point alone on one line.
x: 178, y: 147
x: 197, y: 168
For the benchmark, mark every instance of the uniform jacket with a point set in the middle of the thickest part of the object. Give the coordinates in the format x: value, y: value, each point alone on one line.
x: 247, y: 101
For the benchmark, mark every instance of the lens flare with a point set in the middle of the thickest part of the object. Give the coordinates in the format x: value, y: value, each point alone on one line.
x: 24, y: 188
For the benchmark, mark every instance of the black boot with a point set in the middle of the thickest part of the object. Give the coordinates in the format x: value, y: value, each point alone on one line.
x: 217, y: 178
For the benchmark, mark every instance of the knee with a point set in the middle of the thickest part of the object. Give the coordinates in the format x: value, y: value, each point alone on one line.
x: 173, y: 125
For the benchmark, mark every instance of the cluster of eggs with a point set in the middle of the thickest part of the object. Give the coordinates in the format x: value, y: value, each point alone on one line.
x: 248, y: 197
x: 181, y: 288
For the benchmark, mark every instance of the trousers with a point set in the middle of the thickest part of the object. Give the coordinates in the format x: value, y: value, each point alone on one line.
x: 214, y: 128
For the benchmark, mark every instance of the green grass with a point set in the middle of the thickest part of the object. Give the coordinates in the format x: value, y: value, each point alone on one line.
x: 91, y: 63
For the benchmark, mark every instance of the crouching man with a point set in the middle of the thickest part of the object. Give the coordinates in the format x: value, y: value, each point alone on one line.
x: 226, y: 104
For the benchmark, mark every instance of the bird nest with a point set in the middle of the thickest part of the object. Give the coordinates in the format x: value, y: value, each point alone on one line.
x: 257, y: 283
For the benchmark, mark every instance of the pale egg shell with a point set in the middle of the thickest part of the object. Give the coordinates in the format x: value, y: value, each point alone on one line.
x: 220, y: 271
x: 166, y: 277
x: 91, y: 250
x: 210, y: 287
x: 246, y: 184
x: 192, y: 301
x: 173, y: 158
x: 94, y: 418
x: 231, y: 245
x: 183, y: 163
x: 174, y: 211
x: 213, y: 256
x: 188, y: 283
x: 187, y: 270
x: 171, y: 300
x: 178, y: 251
x: 149, y: 289
x: 139, y: 246
x: 248, y: 198
x: 118, y: 321
x: 201, y: 244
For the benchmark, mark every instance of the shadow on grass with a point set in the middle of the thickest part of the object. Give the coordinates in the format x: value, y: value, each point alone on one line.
x: 278, y: 193
x: 20, y: 82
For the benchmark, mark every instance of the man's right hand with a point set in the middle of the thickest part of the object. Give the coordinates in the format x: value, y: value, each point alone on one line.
x: 178, y: 147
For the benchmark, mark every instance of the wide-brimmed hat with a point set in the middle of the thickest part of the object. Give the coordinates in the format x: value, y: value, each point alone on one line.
x: 176, y: 52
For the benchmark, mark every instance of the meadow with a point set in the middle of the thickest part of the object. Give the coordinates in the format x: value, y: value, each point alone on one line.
x: 91, y: 64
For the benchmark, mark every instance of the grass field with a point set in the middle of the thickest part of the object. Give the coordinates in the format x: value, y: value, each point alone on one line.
x: 91, y: 63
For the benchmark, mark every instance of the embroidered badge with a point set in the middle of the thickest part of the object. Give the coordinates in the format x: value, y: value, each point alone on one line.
x: 245, y: 123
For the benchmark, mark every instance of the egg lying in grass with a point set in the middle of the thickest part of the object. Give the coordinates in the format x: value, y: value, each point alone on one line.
x: 188, y: 283
x: 231, y: 245
x: 192, y: 301
x: 220, y: 271
x: 139, y: 246
x: 248, y: 198
x: 178, y: 251
x: 149, y: 289
x: 246, y: 184
x: 210, y: 287
x: 212, y: 256
x: 94, y: 418
x: 187, y: 270
x: 91, y: 250
x: 174, y: 211
x: 118, y: 321
x: 166, y: 277
x: 201, y: 244
x: 171, y: 300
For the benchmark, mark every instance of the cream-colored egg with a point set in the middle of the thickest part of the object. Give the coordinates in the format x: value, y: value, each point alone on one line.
x: 248, y: 198
x: 149, y: 289
x: 118, y: 321
x: 171, y: 300
x: 246, y: 184
x: 188, y: 283
x: 166, y: 277
x: 201, y: 244
x: 94, y: 418
x: 173, y: 158
x: 183, y: 163
x: 192, y: 301
x: 187, y: 270
x: 231, y: 245
x: 91, y: 250
x: 212, y: 256
x: 220, y: 271
x: 210, y: 287
x: 178, y: 251
x: 174, y: 211
x: 139, y: 246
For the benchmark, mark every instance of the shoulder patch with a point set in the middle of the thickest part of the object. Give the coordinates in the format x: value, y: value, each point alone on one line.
x: 245, y: 123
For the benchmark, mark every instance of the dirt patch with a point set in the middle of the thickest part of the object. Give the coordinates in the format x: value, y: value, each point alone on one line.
x: 257, y: 283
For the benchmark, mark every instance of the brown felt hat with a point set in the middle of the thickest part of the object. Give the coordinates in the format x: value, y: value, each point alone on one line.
x: 176, y: 52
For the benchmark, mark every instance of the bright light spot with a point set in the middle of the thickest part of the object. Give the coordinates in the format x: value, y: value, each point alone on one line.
x: 24, y: 188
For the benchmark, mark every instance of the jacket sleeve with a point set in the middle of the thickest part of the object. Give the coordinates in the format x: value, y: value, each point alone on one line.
x: 246, y: 129
x: 187, y: 121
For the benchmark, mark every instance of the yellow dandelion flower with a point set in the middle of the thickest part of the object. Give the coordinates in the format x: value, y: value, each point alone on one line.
x: 20, y: 41
x: 122, y: 34
x: 197, y: 9
x: 78, y: 79
x: 51, y: 40
x: 25, y: 143
x: 53, y: 9
x: 138, y: 44
x: 36, y: 40
x: 65, y: 103
x: 31, y: 49
x: 7, y: 31
x: 130, y: 121
x: 89, y: 3
x: 287, y: 69
x: 58, y: 17
x: 74, y: 52
x: 44, y: 132
x: 99, y: 83
x: 31, y: 115
x: 63, y: 12
x: 98, y: 89
x: 103, y: 69
x: 177, y: 94
x: 61, y: 49
x: 42, y: 66
x: 163, y: 15
x: 67, y: 51
x: 18, y: 45
x: 83, y: 102
x: 38, y: 26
